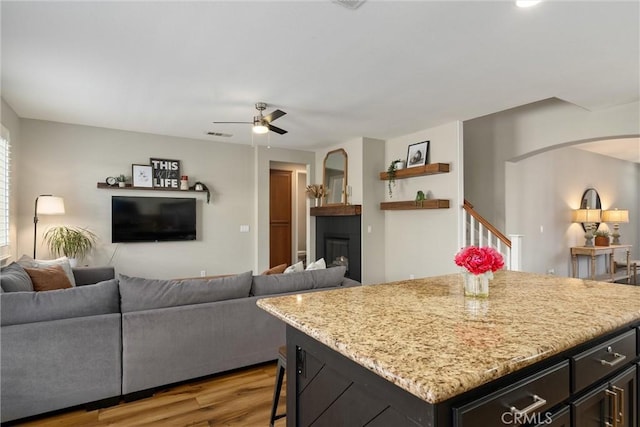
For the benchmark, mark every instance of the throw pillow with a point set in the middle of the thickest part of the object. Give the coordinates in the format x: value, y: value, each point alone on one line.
x: 295, y: 268
x: 139, y: 294
x: 317, y: 265
x: 278, y: 269
x: 90, y: 300
x: 27, y: 261
x: 48, y: 278
x: 13, y: 278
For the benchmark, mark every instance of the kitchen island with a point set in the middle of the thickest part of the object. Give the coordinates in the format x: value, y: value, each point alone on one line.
x: 420, y: 353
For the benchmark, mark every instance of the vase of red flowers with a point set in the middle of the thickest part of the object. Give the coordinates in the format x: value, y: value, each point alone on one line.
x: 479, y: 263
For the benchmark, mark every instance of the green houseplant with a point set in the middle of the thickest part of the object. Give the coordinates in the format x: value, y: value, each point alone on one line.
x: 391, y: 175
x: 73, y: 242
x: 122, y: 180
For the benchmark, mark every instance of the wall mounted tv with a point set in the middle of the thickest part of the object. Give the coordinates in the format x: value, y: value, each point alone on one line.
x: 152, y: 219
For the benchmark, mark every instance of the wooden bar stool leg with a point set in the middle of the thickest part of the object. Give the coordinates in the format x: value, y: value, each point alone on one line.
x: 280, y: 370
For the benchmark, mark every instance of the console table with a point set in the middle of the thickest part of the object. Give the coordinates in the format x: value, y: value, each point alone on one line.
x: 594, y: 251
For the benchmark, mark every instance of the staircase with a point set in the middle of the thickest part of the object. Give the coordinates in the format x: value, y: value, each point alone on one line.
x: 478, y: 231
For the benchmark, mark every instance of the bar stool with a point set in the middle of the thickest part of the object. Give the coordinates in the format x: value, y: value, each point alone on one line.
x: 282, y: 365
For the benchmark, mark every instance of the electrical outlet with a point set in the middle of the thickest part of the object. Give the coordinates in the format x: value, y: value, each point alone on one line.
x: 411, y: 277
x: 203, y: 273
x: 551, y: 271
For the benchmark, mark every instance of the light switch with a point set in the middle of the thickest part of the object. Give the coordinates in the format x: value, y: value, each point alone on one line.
x: 244, y: 228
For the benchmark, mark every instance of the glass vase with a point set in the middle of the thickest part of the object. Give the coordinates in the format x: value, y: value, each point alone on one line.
x: 476, y: 285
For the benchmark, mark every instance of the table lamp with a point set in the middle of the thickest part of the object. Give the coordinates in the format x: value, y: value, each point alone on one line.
x: 615, y: 216
x: 46, y: 204
x: 588, y: 217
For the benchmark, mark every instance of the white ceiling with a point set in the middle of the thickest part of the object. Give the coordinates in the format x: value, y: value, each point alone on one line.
x: 624, y: 149
x: 386, y: 69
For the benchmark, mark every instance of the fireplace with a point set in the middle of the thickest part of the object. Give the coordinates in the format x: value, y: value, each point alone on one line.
x: 338, y: 242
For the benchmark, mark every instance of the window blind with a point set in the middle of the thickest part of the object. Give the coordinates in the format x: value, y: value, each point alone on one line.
x: 4, y: 187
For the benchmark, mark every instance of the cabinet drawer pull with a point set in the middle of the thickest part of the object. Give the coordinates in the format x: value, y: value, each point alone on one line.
x: 538, y: 402
x: 618, y: 358
x: 613, y: 399
x: 620, y: 392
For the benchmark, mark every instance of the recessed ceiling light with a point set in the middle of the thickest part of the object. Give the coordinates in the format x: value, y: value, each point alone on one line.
x: 527, y: 3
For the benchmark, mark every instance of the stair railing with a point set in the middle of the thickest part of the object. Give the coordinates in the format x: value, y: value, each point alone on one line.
x: 480, y: 232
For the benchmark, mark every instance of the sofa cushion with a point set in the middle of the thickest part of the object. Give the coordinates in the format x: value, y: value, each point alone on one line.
x: 48, y: 278
x: 30, y: 307
x: 281, y: 283
x: 28, y: 262
x: 328, y: 278
x: 13, y: 278
x: 139, y: 294
x: 278, y: 269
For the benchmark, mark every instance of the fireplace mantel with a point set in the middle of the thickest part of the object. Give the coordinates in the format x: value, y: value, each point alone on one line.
x: 337, y: 210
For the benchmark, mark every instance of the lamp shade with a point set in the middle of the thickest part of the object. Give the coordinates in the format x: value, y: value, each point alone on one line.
x: 586, y: 215
x: 50, y: 205
x: 615, y: 216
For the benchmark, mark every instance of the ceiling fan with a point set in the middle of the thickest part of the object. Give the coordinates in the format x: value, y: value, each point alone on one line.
x: 262, y: 124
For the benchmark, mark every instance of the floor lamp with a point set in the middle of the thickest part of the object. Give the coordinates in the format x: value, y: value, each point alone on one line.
x: 46, y: 204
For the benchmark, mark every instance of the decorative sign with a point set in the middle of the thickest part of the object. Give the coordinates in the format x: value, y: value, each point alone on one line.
x: 166, y: 173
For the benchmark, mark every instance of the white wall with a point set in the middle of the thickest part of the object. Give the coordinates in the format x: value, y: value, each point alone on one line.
x: 69, y: 160
x: 373, y: 219
x: 423, y: 242
x: 514, y: 134
x: 543, y: 190
x: 500, y: 181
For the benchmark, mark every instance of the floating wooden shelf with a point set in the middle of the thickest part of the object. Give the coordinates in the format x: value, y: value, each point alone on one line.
x: 336, y: 210
x: 429, y: 169
x: 413, y: 205
x: 106, y: 186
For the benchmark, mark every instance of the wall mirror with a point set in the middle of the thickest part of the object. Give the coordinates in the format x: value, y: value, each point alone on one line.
x: 590, y: 200
x: 335, y: 177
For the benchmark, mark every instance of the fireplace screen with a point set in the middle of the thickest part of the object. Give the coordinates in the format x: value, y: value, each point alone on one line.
x: 336, y: 251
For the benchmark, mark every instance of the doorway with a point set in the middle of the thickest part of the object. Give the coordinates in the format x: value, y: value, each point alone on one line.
x: 288, y: 214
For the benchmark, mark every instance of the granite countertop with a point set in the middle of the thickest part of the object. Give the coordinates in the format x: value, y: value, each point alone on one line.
x: 426, y: 337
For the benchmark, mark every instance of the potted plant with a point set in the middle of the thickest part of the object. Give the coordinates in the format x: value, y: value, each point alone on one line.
x: 73, y: 242
x: 121, y: 180
x: 601, y: 238
x: 391, y: 174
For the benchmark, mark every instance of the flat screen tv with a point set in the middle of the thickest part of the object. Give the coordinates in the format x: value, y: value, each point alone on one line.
x: 152, y: 219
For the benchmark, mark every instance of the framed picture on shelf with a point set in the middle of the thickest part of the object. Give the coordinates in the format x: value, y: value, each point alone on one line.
x: 165, y: 173
x: 141, y: 176
x: 418, y: 154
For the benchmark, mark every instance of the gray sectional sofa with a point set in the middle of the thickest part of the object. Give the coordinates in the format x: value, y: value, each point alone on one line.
x: 60, y: 348
x: 122, y: 337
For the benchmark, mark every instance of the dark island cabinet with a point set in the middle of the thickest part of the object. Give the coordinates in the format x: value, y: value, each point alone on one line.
x: 559, y: 418
x: 613, y: 403
x: 592, y: 385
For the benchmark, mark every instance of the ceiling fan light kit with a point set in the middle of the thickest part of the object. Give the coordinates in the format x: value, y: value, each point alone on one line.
x: 260, y: 128
x: 262, y: 124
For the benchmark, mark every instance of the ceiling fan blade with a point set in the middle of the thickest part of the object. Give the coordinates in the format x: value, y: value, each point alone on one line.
x: 276, y: 129
x: 274, y: 115
x: 244, y: 123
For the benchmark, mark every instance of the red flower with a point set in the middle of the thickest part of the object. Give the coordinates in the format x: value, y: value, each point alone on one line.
x: 479, y: 260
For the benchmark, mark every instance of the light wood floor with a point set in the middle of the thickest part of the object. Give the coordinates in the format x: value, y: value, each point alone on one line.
x: 240, y: 399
